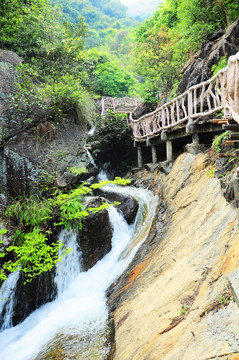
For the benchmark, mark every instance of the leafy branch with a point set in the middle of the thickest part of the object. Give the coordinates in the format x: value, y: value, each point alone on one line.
x: 31, y: 220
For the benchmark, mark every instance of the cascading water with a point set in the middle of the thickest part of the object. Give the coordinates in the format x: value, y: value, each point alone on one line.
x: 7, y: 299
x: 75, y: 324
x: 70, y: 265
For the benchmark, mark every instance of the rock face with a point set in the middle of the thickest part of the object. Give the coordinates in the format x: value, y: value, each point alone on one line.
x: 30, y: 148
x: 113, y: 148
x: 95, y: 237
x: 198, y: 68
x: 128, y: 205
x: 171, y: 303
x: 30, y: 296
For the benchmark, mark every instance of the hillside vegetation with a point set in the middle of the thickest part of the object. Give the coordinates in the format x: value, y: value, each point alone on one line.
x: 76, y: 49
x: 165, y: 41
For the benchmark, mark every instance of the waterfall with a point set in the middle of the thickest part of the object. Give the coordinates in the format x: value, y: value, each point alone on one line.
x: 7, y: 293
x: 76, y: 321
x: 92, y: 130
x: 70, y: 265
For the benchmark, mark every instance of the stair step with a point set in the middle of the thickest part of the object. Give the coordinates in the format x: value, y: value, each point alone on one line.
x: 234, y: 135
x: 219, y: 121
x: 231, y: 127
x: 234, y: 143
x: 232, y: 121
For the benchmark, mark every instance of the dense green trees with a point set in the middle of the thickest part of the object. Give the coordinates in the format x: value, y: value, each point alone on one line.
x: 174, y: 32
x: 51, y: 40
x: 90, y: 42
x: 107, y: 76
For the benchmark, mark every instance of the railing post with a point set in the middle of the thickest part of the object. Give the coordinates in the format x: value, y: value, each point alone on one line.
x: 190, y: 104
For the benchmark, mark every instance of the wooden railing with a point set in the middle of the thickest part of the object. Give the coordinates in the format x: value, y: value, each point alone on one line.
x: 109, y: 103
x: 221, y: 92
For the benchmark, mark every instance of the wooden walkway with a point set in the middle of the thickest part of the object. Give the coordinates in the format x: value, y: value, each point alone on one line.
x: 189, y: 117
x: 218, y: 94
x: 118, y: 105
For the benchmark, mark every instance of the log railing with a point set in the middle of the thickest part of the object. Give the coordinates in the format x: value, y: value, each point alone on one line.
x: 109, y: 103
x: 220, y: 93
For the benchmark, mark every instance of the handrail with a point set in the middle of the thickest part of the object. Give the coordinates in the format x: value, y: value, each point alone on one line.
x: 109, y: 103
x: 221, y: 92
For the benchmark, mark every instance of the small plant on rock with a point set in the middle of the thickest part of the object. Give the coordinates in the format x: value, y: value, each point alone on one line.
x: 217, y: 142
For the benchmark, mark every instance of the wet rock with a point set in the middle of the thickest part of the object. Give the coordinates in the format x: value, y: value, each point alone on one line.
x: 89, y: 343
x: 236, y: 189
x: 150, y: 167
x: 195, y: 149
x: 163, y: 166
x: 113, y: 148
x: 224, y: 166
x: 128, y: 205
x: 95, y: 237
x: 30, y: 296
x: 228, y: 190
x: 69, y: 178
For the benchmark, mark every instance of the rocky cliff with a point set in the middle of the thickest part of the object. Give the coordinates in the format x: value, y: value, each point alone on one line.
x: 174, y: 301
x: 199, y: 67
x: 28, y: 148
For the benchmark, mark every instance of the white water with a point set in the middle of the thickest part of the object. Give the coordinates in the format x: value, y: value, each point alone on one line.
x: 70, y: 265
x: 102, y: 175
x: 7, y: 299
x: 80, y: 307
x: 92, y: 130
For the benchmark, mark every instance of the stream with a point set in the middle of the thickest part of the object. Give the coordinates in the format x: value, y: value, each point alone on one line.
x: 75, y: 324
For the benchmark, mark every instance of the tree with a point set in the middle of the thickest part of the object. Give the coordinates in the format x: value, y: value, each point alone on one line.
x: 107, y: 76
x: 174, y: 32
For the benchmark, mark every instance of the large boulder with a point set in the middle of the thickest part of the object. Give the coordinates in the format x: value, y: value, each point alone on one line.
x: 30, y: 296
x: 128, y: 205
x: 199, y: 67
x: 95, y: 237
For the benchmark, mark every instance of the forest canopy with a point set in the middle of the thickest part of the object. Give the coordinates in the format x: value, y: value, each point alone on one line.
x: 102, y: 50
x: 165, y: 41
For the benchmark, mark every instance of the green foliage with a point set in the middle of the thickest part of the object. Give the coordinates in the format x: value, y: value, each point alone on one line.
x: 220, y: 65
x: 183, y: 310
x: 33, y: 257
x: 30, y: 212
x: 210, y: 173
x: 222, y: 300
x: 164, y: 42
x: 107, y: 76
x: 3, y: 232
x: 114, y: 122
x: 118, y: 181
x: 78, y: 171
x: 32, y: 249
x: 217, y: 142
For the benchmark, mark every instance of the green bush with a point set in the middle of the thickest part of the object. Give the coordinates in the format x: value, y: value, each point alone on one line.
x: 31, y: 220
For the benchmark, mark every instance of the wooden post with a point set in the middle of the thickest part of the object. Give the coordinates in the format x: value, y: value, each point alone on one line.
x: 169, y: 150
x: 140, y: 158
x: 154, y: 154
x: 190, y: 104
